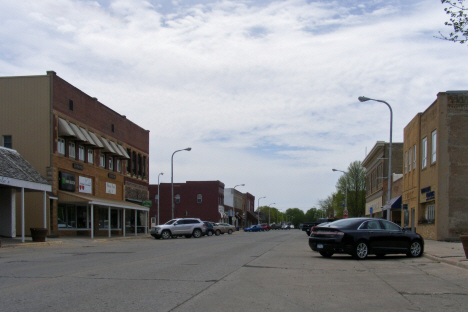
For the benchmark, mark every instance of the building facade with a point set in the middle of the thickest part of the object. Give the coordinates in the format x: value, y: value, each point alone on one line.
x: 233, y: 201
x: 95, y: 159
x: 435, y: 176
x: 376, y: 164
x: 194, y: 199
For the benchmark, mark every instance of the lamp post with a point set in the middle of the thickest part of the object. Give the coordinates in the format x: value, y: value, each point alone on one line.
x: 234, y: 204
x: 258, y: 207
x: 389, y: 188
x: 346, y: 194
x: 172, y: 176
x: 269, y: 214
x: 159, y: 195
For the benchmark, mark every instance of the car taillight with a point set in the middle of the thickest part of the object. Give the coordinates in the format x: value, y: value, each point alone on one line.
x: 339, y: 233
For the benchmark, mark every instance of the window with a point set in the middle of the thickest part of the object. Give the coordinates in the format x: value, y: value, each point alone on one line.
x: 111, y: 163
x: 409, y: 160
x: 134, y: 159
x: 406, y: 162
x: 129, y: 161
x: 199, y: 198
x: 71, y: 150
x: 119, y: 165
x: 144, y: 166
x: 414, y: 156
x: 140, y: 166
x: 370, y: 225
x: 434, y: 147
x: 81, y: 152
x: 70, y: 105
x: 103, y: 160
x: 61, y: 146
x: 90, y: 156
x: 72, y: 217
x: 156, y: 199
x: 6, y: 141
x: 112, y: 128
x: 391, y: 226
x: 177, y: 199
x: 430, y: 213
x: 424, y: 153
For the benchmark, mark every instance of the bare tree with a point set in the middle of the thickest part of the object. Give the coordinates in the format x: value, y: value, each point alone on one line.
x: 458, y: 20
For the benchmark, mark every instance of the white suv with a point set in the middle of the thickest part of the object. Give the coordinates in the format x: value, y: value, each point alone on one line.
x: 187, y: 227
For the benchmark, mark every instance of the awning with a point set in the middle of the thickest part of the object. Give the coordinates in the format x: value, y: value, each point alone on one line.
x: 395, y: 204
x: 79, y: 135
x: 88, y: 137
x: 64, y: 128
x: 223, y: 215
x: 96, y: 140
x: 73, y: 198
x: 124, y: 152
x: 116, y: 149
x: 107, y: 147
x: 239, y: 216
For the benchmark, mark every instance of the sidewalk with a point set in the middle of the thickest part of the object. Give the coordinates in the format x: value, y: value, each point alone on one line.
x: 446, y: 252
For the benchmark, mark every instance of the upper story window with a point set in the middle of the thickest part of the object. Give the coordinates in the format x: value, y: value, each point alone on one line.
x: 7, y: 141
x: 434, y: 147
x: 70, y: 105
x: 406, y: 162
x: 129, y: 161
x: 102, y: 160
x: 156, y: 198
x: 424, y: 152
x: 119, y: 165
x: 177, y: 198
x: 61, y: 146
x: 81, y: 152
x: 71, y: 150
x: 409, y: 159
x: 414, y: 156
x: 199, y: 198
x: 112, y: 128
x: 111, y: 163
x: 90, y: 156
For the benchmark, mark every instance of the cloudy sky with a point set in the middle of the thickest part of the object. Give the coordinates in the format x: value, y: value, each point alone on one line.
x: 265, y: 92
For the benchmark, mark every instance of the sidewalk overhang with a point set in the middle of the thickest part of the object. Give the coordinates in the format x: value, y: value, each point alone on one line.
x: 73, y: 198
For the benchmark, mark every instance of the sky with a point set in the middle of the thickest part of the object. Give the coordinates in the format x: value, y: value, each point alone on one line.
x: 264, y: 92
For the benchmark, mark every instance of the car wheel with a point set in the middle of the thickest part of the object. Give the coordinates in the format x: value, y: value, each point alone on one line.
x: 188, y: 236
x: 217, y: 232
x: 416, y: 249
x: 230, y: 232
x: 165, y: 234
x: 210, y: 233
x: 197, y: 233
x: 380, y: 255
x: 326, y: 254
x: 361, y: 250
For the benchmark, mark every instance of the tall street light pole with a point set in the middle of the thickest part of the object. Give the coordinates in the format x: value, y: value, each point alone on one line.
x: 346, y: 194
x: 159, y: 195
x: 269, y: 208
x: 258, y: 207
x: 172, y: 176
x: 389, y: 190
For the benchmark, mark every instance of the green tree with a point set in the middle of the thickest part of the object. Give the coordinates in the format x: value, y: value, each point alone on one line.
x: 355, y: 180
x: 458, y: 20
x: 327, y: 206
x: 296, y: 216
x: 312, y: 215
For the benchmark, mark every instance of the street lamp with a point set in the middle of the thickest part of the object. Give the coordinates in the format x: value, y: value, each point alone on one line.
x: 389, y: 191
x: 269, y: 208
x: 258, y: 207
x: 346, y: 194
x: 172, y: 176
x: 159, y: 195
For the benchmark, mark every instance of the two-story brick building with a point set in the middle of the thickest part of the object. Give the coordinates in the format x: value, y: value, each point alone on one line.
x: 95, y: 159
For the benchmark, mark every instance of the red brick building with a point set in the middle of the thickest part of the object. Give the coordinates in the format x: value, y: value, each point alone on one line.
x: 196, y: 199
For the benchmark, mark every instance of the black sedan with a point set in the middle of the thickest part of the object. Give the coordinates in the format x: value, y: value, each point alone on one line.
x: 360, y: 237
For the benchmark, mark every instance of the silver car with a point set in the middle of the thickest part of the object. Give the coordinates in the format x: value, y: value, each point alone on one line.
x: 187, y: 227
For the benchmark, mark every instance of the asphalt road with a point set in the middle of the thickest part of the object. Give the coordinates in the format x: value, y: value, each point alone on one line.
x: 268, y: 271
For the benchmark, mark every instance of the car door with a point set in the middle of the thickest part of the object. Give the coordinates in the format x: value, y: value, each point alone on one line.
x: 373, y: 231
x: 394, y: 237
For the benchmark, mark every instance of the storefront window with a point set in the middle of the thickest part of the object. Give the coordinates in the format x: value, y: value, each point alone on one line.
x: 72, y: 217
x: 115, y: 219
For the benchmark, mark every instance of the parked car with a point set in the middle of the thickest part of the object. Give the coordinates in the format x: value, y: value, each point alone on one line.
x: 187, y: 227
x: 209, y: 228
x: 275, y: 226
x: 360, y: 237
x: 221, y: 228
x: 265, y: 226
x: 286, y: 227
x: 254, y: 228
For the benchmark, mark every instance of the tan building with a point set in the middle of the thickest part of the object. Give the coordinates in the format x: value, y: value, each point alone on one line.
x: 435, y: 176
x: 376, y: 164
x: 95, y: 159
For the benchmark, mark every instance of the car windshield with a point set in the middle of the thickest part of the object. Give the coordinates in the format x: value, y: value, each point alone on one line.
x: 170, y: 221
x: 344, y: 223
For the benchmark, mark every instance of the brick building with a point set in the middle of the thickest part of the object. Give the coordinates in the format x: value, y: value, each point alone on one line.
x: 376, y: 164
x: 196, y: 199
x: 95, y: 159
x: 435, y: 176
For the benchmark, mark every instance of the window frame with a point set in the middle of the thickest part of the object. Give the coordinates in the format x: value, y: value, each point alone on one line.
x: 110, y: 162
x: 424, y: 153
x: 61, y: 146
x: 4, y: 141
x: 430, y: 213
x: 90, y: 159
x: 406, y: 162
x: 434, y: 146
x: 72, y: 150
x: 199, y: 198
x: 81, y: 152
x: 177, y: 198
x: 414, y: 156
x: 102, y: 160
x: 409, y: 159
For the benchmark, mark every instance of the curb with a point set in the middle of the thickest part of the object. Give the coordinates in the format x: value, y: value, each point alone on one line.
x: 459, y: 263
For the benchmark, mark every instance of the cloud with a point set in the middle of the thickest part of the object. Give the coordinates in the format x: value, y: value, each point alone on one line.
x: 265, y: 92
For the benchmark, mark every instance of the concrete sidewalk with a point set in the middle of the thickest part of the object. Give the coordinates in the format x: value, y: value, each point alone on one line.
x: 446, y: 252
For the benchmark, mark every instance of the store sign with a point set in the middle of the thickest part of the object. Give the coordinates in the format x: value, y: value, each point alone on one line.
x: 66, y: 181
x: 430, y: 196
x: 111, y: 188
x: 85, y: 185
x: 147, y: 203
x: 78, y: 166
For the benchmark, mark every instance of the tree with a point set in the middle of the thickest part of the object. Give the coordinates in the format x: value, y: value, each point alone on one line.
x: 327, y: 206
x: 458, y: 20
x: 355, y: 179
x: 312, y: 214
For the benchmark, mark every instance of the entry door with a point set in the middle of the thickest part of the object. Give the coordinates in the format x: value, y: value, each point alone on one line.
x: 413, y: 229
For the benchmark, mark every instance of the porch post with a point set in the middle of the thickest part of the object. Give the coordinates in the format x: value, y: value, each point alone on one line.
x: 109, y: 220
x: 45, y: 210
x: 123, y: 225
x: 92, y: 221
x: 146, y: 228
x: 136, y: 215
x: 22, y: 214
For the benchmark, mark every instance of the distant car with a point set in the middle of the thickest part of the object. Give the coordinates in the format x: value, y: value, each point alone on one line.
x: 360, y: 237
x: 265, y: 226
x: 254, y: 228
x: 291, y: 226
x: 275, y: 226
x: 221, y: 228
x: 286, y: 227
x: 209, y: 228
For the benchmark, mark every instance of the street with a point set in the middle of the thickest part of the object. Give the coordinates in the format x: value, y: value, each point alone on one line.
x: 273, y: 271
